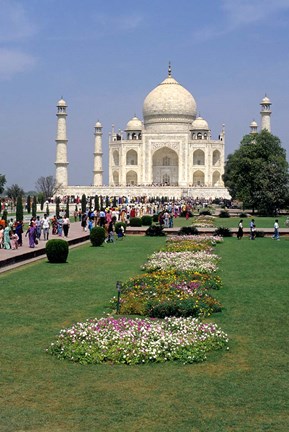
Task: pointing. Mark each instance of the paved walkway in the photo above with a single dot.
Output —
(14, 258)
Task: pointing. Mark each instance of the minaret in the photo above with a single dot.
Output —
(265, 114)
(97, 166)
(61, 145)
(254, 128)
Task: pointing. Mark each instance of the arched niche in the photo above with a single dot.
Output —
(199, 157)
(165, 169)
(131, 178)
(198, 178)
(216, 158)
(131, 157)
(115, 157)
(216, 178)
(115, 176)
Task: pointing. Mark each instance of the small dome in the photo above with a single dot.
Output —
(134, 124)
(98, 124)
(61, 102)
(265, 100)
(200, 124)
(168, 102)
(253, 124)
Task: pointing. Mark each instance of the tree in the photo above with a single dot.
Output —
(2, 183)
(96, 203)
(34, 206)
(19, 209)
(57, 207)
(46, 185)
(14, 192)
(83, 203)
(257, 173)
(28, 204)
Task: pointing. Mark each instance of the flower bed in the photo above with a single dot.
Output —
(200, 261)
(138, 341)
(144, 294)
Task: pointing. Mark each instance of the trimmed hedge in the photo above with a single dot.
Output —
(135, 222)
(155, 231)
(223, 231)
(57, 250)
(97, 236)
(224, 214)
(190, 230)
(146, 220)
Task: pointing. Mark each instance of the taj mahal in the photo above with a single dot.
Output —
(170, 152)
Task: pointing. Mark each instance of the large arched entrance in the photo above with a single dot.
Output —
(165, 167)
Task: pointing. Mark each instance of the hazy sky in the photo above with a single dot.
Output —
(104, 57)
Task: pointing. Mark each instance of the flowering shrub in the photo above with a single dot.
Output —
(204, 222)
(179, 291)
(198, 261)
(138, 341)
(192, 243)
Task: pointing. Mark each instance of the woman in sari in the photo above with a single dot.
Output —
(6, 238)
(31, 232)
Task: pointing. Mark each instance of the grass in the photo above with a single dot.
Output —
(245, 389)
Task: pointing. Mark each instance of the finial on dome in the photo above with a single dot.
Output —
(170, 70)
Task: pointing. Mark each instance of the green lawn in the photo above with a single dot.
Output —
(245, 389)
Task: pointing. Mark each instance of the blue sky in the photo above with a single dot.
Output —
(104, 57)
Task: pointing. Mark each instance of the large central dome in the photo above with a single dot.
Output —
(169, 102)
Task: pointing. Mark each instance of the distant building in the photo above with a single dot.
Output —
(170, 153)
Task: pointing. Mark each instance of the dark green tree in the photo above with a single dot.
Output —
(47, 210)
(83, 203)
(96, 203)
(101, 201)
(41, 200)
(19, 209)
(257, 173)
(114, 203)
(34, 206)
(107, 201)
(67, 207)
(28, 204)
(2, 183)
(57, 206)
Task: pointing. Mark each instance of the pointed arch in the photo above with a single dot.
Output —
(199, 157)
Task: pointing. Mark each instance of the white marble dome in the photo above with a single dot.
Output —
(265, 100)
(200, 124)
(134, 124)
(169, 102)
(62, 103)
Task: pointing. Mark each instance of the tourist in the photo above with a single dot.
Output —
(38, 227)
(14, 240)
(45, 226)
(276, 230)
(6, 238)
(19, 231)
(31, 232)
(59, 225)
(252, 230)
(240, 230)
(66, 225)
(84, 221)
(54, 225)
(1, 236)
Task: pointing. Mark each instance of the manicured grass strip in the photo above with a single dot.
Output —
(243, 390)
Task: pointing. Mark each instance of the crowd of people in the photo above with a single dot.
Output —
(11, 236)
